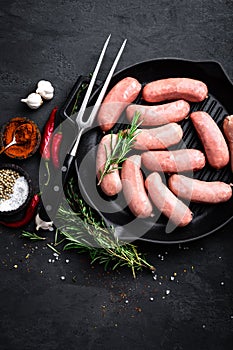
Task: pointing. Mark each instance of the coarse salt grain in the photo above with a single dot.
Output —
(172, 278)
(151, 299)
(167, 291)
(63, 278)
(18, 197)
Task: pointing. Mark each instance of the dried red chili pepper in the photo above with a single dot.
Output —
(30, 212)
(47, 139)
(55, 149)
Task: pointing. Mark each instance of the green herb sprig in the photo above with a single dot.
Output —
(78, 95)
(86, 232)
(33, 236)
(123, 146)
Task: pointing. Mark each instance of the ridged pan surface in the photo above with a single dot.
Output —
(207, 218)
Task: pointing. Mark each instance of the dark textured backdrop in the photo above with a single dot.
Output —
(93, 309)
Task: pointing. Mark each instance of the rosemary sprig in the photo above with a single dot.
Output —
(52, 248)
(85, 232)
(123, 146)
(33, 236)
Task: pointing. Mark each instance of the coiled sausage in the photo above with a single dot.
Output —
(160, 114)
(167, 202)
(118, 98)
(133, 187)
(228, 131)
(158, 138)
(175, 88)
(199, 191)
(174, 161)
(111, 183)
(214, 144)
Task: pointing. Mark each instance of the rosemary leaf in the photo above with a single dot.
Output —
(123, 146)
(33, 236)
(84, 231)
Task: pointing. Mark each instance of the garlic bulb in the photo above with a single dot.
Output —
(44, 225)
(45, 89)
(33, 100)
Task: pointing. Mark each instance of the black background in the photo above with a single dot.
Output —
(57, 41)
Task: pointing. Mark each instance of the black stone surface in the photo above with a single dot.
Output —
(91, 308)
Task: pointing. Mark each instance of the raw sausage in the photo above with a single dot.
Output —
(228, 131)
(199, 191)
(160, 114)
(133, 187)
(111, 183)
(175, 88)
(167, 202)
(158, 138)
(214, 144)
(119, 97)
(174, 161)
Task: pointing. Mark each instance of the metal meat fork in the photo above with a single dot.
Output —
(84, 125)
(51, 197)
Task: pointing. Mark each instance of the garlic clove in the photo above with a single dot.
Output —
(45, 89)
(44, 225)
(33, 100)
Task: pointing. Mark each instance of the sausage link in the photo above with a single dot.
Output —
(133, 187)
(228, 131)
(167, 202)
(111, 183)
(160, 114)
(173, 161)
(214, 144)
(175, 88)
(199, 191)
(118, 98)
(158, 138)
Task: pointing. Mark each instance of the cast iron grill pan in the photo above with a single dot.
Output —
(207, 218)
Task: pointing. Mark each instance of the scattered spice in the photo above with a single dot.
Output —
(28, 138)
(138, 309)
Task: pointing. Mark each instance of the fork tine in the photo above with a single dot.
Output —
(92, 82)
(105, 86)
(82, 125)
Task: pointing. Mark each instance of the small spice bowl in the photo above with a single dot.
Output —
(16, 186)
(29, 138)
